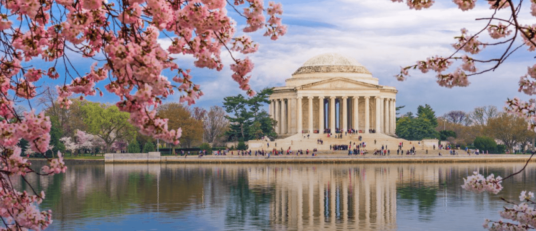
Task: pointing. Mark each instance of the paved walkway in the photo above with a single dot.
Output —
(340, 158)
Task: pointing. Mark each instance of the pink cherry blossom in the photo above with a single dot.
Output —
(417, 4)
(126, 40)
(477, 183)
(468, 43)
(465, 5)
(499, 31)
(468, 64)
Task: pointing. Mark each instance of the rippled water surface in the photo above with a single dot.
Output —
(275, 197)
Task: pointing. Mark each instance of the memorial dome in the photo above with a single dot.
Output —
(331, 63)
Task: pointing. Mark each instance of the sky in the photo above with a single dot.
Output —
(379, 34)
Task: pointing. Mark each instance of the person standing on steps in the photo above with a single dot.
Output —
(374, 141)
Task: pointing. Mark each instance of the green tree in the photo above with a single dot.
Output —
(55, 135)
(108, 123)
(427, 112)
(255, 130)
(261, 98)
(415, 129)
(444, 134)
(485, 143)
(244, 113)
(501, 148)
(133, 147)
(240, 119)
(267, 124)
(206, 147)
(241, 145)
(421, 127)
(149, 147)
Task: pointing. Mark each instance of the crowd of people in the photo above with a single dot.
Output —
(352, 148)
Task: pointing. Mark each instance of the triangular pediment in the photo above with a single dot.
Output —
(340, 83)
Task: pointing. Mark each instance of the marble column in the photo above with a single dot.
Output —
(344, 113)
(300, 117)
(393, 120)
(367, 114)
(378, 114)
(272, 109)
(321, 115)
(355, 113)
(332, 114)
(289, 117)
(386, 121)
(389, 116)
(283, 116)
(277, 118)
(310, 114)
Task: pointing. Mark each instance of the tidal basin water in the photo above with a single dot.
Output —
(275, 196)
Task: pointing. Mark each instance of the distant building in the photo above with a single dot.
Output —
(336, 93)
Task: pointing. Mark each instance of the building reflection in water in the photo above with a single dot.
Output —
(261, 197)
(312, 197)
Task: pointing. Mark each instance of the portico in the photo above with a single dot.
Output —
(331, 94)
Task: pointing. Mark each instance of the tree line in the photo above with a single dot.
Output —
(480, 128)
(99, 127)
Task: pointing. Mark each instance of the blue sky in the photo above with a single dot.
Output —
(379, 34)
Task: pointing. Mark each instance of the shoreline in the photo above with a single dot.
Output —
(308, 159)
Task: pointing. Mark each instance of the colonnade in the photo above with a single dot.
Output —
(317, 114)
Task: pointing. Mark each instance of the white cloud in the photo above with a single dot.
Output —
(382, 36)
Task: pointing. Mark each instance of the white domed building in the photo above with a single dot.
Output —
(333, 93)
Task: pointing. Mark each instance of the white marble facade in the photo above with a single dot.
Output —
(329, 86)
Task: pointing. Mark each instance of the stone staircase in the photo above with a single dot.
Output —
(373, 141)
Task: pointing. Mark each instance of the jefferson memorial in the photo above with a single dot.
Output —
(333, 93)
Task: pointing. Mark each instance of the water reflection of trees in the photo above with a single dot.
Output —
(424, 196)
(267, 196)
(246, 204)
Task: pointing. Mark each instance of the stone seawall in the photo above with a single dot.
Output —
(133, 157)
(154, 157)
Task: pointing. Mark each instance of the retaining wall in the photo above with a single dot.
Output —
(154, 157)
(132, 157)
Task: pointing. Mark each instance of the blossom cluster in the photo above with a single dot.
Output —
(468, 43)
(523, 109)
(457, 78)
(22, 208)
(417, 4)
(478, 183)
(524, 214)
(124, 38)
(465, 5)
(499, 31)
